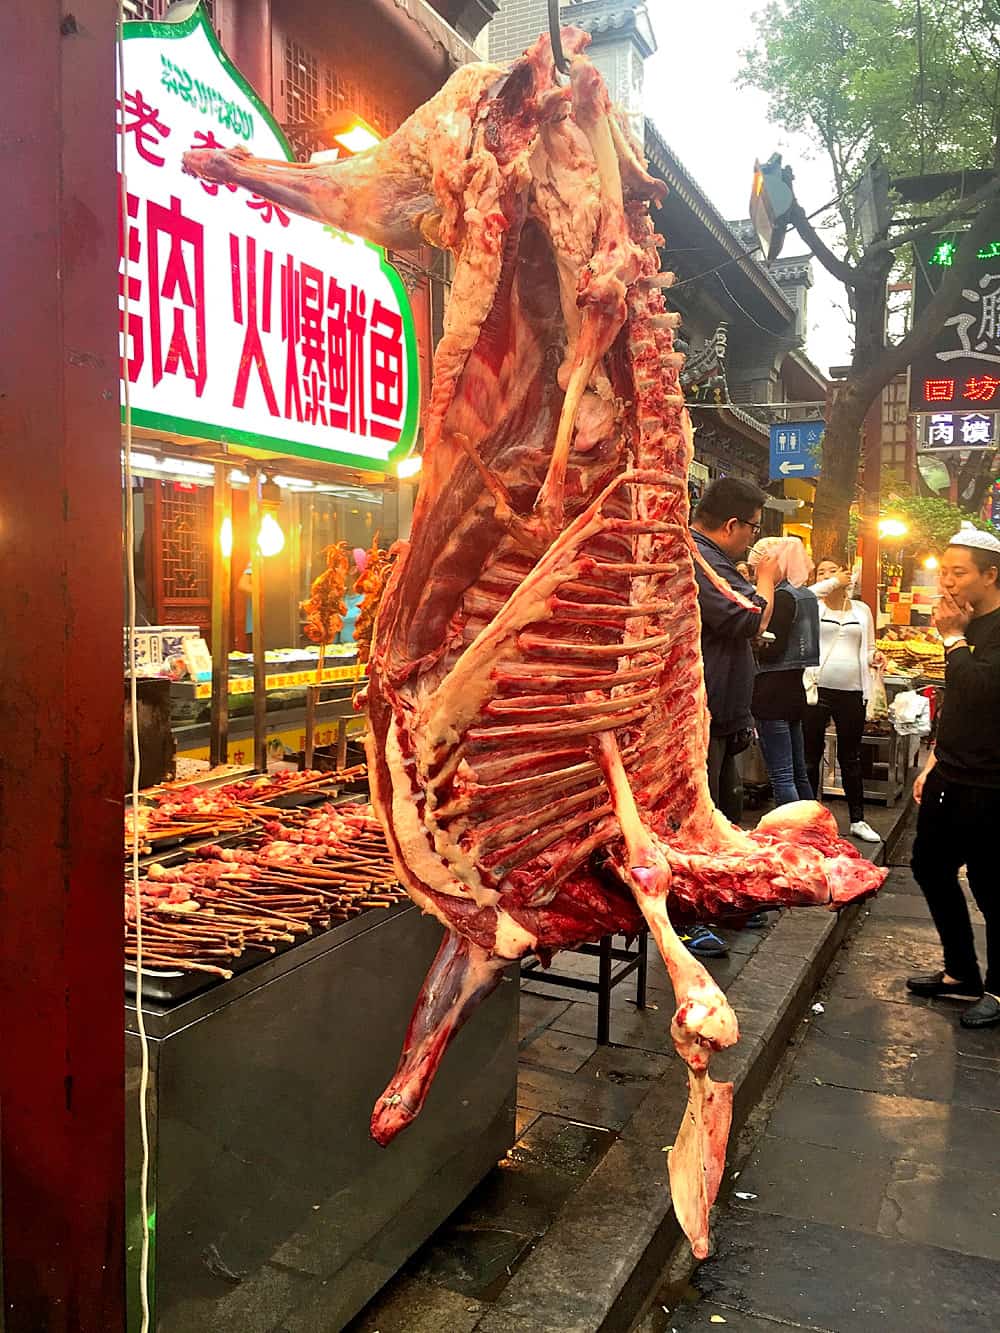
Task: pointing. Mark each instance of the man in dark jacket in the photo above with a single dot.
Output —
(725, 524)
(959, 789)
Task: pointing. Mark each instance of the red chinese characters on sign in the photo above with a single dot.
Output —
(982, 388)
(255, 314)
(333, 350)
(176, 254)
(267, 210)
(385, 356)
(142, 121)
(939, 391)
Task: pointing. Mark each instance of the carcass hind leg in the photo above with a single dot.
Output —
(703, 1021)
(461, 976)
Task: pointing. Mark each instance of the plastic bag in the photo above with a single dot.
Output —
(911, 714)
(810, 681)
(878, 704)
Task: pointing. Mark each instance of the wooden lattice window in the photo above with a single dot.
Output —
(301, 84)
(155, 9)
(145, 9)
(187, 558)
(344, 94)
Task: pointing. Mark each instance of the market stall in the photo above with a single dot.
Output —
(280, 962)
(274, 394)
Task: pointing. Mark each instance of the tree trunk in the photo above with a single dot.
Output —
(975, 480)
(837, 486)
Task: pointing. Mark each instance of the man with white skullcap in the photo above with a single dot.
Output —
(959, 788)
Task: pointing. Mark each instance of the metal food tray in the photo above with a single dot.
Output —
(168, 987)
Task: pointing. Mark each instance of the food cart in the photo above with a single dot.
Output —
(274, 389)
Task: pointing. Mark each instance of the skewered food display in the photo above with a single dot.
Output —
(178, 812)
(371, 584)
(300, 873)
(325, 607)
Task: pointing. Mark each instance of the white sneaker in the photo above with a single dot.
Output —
(863, 830)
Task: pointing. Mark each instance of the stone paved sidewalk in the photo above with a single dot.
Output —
(874, 1195)
(578, 1103)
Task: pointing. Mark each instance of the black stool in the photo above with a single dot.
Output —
(632, 960)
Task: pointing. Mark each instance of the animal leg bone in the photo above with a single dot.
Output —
(703, 1021)
(460, 978)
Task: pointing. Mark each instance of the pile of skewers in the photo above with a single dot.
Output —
(175, 813)
(298, 874)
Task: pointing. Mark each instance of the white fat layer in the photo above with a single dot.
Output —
(512, 940)
(436, 867)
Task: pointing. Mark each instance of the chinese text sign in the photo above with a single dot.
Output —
(246, 323)
(962, 369)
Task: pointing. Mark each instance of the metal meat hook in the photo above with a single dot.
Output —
(561, 63)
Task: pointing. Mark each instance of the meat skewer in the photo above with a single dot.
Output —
(222, 901)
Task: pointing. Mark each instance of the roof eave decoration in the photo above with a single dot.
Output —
(662, 158)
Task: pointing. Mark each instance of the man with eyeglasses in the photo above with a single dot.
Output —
(725, 524)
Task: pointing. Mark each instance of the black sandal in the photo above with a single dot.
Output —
(934, 985)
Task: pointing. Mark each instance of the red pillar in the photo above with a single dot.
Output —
(248, 40)
(61, 1039)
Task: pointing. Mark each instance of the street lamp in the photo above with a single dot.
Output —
(892, 527)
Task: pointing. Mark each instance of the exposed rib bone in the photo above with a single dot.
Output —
(534, 643)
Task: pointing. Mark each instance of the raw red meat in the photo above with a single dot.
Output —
(538, 726)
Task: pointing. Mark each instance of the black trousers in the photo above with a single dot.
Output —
(957, 825)
(847, 708)
(724, 781)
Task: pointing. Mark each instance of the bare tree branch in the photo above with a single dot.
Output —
(963, 209)
(842, 272)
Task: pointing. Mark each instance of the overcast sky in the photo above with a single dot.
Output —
(717, 130)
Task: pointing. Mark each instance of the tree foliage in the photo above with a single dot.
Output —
(932, 521)
(849, 75)
(916, 83)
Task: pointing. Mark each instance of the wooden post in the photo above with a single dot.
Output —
(259, 650)
(61, 665)
(222, 627)
(312, 700)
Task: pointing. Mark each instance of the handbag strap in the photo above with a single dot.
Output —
(840, 626)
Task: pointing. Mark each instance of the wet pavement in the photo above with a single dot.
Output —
(543, 1241)
(872, 1199)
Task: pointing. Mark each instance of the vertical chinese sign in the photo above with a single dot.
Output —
(962, 369)
(247, 324)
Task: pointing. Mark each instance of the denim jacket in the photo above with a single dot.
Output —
(801, 645)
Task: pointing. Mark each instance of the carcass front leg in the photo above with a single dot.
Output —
(703, 1021)
(460, 978)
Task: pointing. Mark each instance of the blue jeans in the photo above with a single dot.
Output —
(784, 754)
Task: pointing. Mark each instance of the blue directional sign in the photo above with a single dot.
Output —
(794, 449)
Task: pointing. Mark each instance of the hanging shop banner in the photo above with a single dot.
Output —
(246, 323)
(961, 371)
(947, 432)
(795, 449)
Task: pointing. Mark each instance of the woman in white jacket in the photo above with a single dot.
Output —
(846, 655)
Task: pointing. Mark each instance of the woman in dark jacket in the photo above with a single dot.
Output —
(779, 697)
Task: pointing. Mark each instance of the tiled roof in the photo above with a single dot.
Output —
(665, 162)
(607, 17)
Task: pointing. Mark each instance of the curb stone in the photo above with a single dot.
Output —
(594, 1269)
